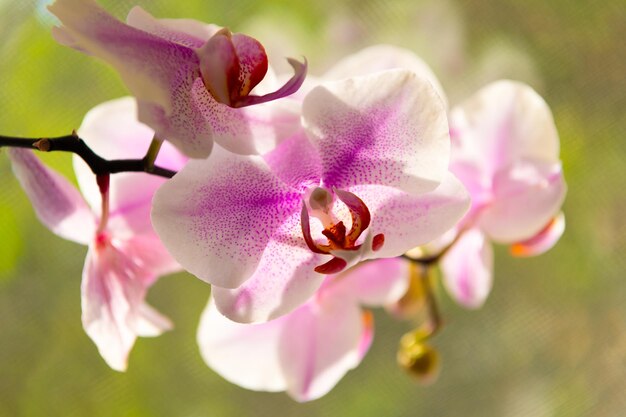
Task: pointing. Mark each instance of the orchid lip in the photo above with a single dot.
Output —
(338, 237)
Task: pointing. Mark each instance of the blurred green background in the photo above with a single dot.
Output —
(551, 340)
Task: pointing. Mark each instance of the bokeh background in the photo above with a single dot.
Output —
(550, 341)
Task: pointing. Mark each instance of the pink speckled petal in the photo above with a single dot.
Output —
(112, 131)
(501, 123)
(249, 130)
(388, 129)
(58, 203)
(380, 58)
(283, 280)
(408, 220)
(158, 71)
(296, 162)
(374, 283)
(320, 343)
(543, 241)
(217, 216)
(467, 269)
(187, 32)
(526, 196)
(244, 354)
(116, 277)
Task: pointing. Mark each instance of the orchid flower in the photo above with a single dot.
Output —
(505, 150)
(366, 177)
(191, 80)
(307, 351)
(125, 256)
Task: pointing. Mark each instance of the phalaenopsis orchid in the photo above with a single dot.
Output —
(319, 197)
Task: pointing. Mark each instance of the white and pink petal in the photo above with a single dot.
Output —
(501, 123)
(284, 278)
(158, 71)
(217, 216)
(388, 128)
(373, 283)
(408, 220)
(526, 195)
(112, 131)
(116, 277)
(245, 354)
(380, 58)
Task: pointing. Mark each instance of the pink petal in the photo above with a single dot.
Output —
(501, 123)
(380, 58)
(58, 204)
(374, 283)
(159, 72)
(187, 32)
(319, 345)
(244, 354)
(467, 269)
(526, 196)
(408, 220)
(543, 241)
(217, 216)
(305, 352)
(284, 278)
(113, 132)
(387, 129)
(116, 277)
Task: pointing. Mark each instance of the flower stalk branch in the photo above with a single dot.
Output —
(98, 165)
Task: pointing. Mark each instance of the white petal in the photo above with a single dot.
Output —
(500, 124)
(244, 354)
(525, 197)
(383, 57)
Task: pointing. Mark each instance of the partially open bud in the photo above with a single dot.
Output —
(419, 359)
(232, 64)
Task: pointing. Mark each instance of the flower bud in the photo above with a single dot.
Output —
(419, 359)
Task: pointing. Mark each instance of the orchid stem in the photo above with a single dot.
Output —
(98, 165)
(434, 322)
(151, 155)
